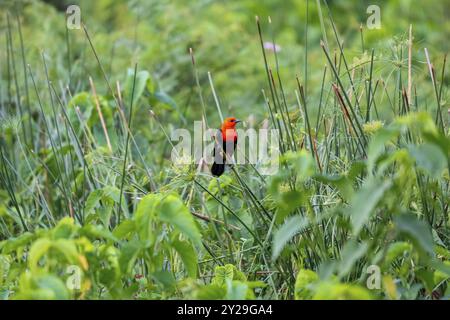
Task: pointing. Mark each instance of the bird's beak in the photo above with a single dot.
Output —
(237, 121)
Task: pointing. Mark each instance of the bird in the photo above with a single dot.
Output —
(226, 140)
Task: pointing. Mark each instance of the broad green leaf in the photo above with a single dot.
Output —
(108, 195)
(287, 231)
(438, 265)
(222, 273)
(188, 255)
(211, 292)
(37, 251)
(256, 284)
(236, 290)
(441, 276)
(440, 141)
(64, 229)
(165, 278)
(49, 286)
(417, 121)
(84, 103)
(173, 211)
(124, 229)
(238, 275)
(395, 250)
(303, 284)
(417, 231)
(110, 273)
(377, 145)
(128, 255)
(142, 79)
(93, 200)
(97, 232)
(68, 249)
(429, 158)
(13, 244)
(342, 183)
(350, 254)
(427, 278)
(288, 201)
(145, 215)
(164, 98)
(365, 201)
(444, 252)
(302, 162)
(341, 291)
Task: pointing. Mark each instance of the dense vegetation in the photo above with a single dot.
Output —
(92, 207)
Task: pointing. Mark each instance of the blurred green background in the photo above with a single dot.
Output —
(158, 34)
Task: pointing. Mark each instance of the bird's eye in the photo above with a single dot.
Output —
(232, 120)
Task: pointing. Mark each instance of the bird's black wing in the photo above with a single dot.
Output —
(220, 152)
(218, 166)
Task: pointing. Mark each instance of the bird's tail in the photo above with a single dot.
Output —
(217, 169)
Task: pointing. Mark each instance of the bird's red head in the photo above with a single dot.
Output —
(230, 123)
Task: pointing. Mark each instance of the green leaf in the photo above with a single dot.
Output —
(377, 145)
(174, 212)
(124, 229)
(39, 248)
(395, 250)
(83, 103)
(440, 141)
(223, 273)
(52, 286)
(188, 255)
(438, 265)
(68, 249)
(256, 284)
(303, 284)
(13, 244)
(128, 255)
(352, 252)
(165, 278)
(164, 98)
(37, 251)
(108, 195)
(341, 291)
(342, 183)
(442, 251)
(429, 158)
(145, 214)
(302, 162)
(64, 229)
(142, 81)
(211, 292)
(427, 278)
(417, 231)
(365, 201)
(93, 200)
(288, 201)
(289, 229)
(236, 290)
(442, 275)
(93, 231)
